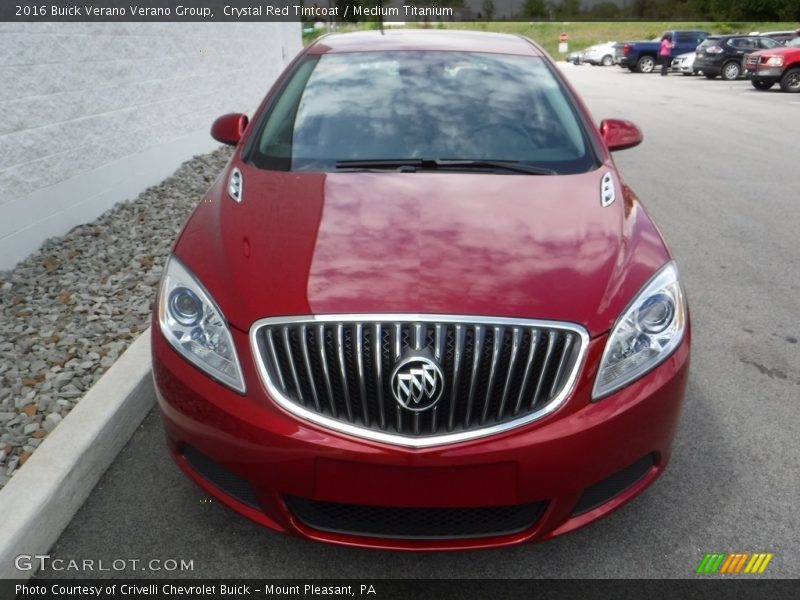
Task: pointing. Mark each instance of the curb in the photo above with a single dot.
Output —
(40, 500)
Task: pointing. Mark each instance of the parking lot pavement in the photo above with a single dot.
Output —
(719, 171)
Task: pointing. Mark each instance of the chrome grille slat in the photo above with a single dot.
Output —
(498, 373)
(528, 371)
(438, 349)
(396, 337)
(516, 337)
(348, 406)
(303, 334)
(287, 348)
(497, 345)
(326, 373)
(376, 346)
(561, 366)
(551, 342)
(458, 353)
(477, 351)
(362, 382)
(274, 357)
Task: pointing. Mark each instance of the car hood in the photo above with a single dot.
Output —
(437, 243)
(776, 51)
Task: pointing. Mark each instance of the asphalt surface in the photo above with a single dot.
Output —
(719, 171)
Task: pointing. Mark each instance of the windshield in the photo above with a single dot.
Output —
(436, 106)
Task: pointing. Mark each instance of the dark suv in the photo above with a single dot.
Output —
(723, 54)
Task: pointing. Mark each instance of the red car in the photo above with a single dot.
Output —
(779, 65)
(419, 309)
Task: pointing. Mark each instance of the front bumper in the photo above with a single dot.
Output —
(682, 67)
(247, 443)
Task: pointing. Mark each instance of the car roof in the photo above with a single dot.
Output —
(422, 39)
(736, 35)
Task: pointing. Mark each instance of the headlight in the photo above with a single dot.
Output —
(194, 326)
(775, 61)
(646, 333)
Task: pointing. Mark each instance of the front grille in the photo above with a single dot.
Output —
(415, 523)
(496, 373)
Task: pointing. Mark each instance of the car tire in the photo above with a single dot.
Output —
(709, 76)
(645, 64)
(731, 70)
(607, 61)
(760, 84)
(790, 82)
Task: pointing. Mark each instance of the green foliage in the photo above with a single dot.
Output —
(488, 9)
(568, 9)
(604, 11)
(535, 9)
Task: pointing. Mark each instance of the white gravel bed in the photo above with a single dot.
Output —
(68, 311)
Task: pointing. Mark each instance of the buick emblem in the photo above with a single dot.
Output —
(417, 383)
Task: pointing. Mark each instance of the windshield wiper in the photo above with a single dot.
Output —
(413, 165)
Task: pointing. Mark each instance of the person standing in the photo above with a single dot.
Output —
(664, 53)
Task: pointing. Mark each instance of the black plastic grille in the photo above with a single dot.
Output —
(415, 523)
(493, 373)
(603, 491)
(226, 480)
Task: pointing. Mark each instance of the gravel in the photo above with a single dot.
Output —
(71, 309)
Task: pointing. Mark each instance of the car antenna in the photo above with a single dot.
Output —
(380, 15)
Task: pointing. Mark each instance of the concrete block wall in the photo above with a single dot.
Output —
(93, 113)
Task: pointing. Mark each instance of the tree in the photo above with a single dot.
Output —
(568, 9)
(488, 9)
(535, 9)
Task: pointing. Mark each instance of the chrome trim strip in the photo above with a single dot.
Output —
(398, 440)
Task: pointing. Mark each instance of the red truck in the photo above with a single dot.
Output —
(780, 65)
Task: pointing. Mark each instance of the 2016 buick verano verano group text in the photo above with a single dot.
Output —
(419, 308)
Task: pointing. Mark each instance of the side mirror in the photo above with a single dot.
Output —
(229, 128)
(619, 134)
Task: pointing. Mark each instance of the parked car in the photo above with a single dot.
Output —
(439, 325)
(642, 57)
(722, 55)
(574, 57)
(783, 36)
(781, 65)
(684, 64)
(599, 54)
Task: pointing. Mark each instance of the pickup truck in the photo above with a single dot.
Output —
(642, 56)
(780, 65)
